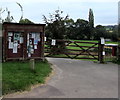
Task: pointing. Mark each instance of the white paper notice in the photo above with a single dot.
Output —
(45, 39)
(35, 46)
(53, 42)
(21, 39)
(38, 39)
(10, 45)
(32, 51)
(35, 41)
(29, 55)
(103, 53)
(15, 47)
(102, 41)
(10, 34)
(9, 39)
(33, 35)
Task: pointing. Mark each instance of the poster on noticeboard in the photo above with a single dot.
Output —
(15, 47)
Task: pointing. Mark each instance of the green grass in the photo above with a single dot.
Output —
(86, 41)
(107, 42)
(0, 79)
(0, 71)
(87, 44)
(116, 61)
(110, 42)
(17, 76)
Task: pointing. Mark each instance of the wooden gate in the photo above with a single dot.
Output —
(73, 49)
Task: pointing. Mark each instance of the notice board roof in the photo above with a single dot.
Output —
(23, 24)
(23, 27)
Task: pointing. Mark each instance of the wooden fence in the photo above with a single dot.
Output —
(74, 49)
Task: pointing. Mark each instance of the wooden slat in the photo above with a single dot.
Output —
(70, 53)
(86, 58)
(72, 50)
(82, 46)
(47, 48)
(85, 42)
(75, 41)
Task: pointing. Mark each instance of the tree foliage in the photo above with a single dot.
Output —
(55, 25)
(91, 23)
(82, 29)
(10, 18)
(91, 18)
(70, 28)
(55, 28)
(1, 11)
(21, 10)
(59, 27)
(99, 32)
(26, 21)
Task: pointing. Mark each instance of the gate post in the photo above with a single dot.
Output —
(101, 49)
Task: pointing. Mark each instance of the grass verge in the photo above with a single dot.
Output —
(17, 76)
(0, 79)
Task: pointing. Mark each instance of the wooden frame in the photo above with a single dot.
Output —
(25, 29)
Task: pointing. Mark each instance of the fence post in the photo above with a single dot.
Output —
(32, 64)
(101, 49)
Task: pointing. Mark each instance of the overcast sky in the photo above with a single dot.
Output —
(105, 11)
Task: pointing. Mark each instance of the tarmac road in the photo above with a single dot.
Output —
(77, 79)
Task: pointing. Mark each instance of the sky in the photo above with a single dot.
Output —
(105, 11)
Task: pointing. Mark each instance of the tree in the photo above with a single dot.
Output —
(26, 21)
(70, 29)
(9, 18)
(55, 29)
(100, 31)
(119, 31)
(55, 25)
(1, 11)
(91, 18)
(82, 29)
(21, 10)
(91, 23)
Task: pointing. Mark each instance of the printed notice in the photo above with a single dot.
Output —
(45, 39)
(32, 51)
(103, 53)
(35, 46)
(35, 41)
(10, 34)
(9, 39)
(15, 47)
(29, 55)
(21, 39)
(10, 45)
(53, 42)
(102, 40)
(33, 35)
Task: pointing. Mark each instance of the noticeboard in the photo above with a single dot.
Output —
(23, 41)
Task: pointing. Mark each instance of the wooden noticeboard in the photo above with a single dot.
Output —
(23, 41)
